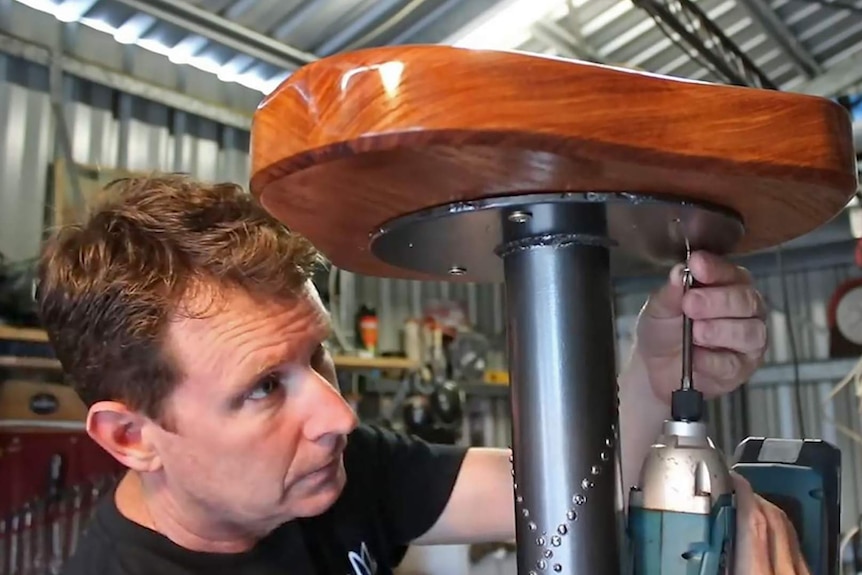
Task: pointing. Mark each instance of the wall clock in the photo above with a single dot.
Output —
(845, 320)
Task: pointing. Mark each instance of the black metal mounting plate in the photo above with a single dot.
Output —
(461, 239)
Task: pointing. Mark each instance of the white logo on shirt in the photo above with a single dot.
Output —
(363, 563)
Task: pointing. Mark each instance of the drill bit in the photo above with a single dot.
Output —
(687, 324)
(687, 402)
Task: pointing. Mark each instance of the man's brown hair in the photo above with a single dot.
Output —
(108, 286)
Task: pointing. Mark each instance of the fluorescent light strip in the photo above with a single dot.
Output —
(67, 12)
(504, 27)
(508, 25)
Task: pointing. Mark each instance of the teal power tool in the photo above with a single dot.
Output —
(682, 514)
(803, 478)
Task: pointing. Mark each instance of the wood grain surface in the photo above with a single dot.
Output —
(354, 140)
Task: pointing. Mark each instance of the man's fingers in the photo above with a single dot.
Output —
(799, 564)
(739, 335)
(781, 550)
(795, 548)
(726, 292)
(767, 544)
(710, 269)
(720, 371)
(667, 301)
(752, 541)
(737, 301)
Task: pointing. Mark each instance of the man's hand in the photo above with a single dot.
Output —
(729, 331)
(766, 543)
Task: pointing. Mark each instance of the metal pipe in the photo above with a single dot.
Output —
(781, 33)
(221, 30)
(563, 388)
(707, 39)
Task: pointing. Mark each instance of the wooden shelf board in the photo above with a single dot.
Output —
(33, 335)
(356, 362)
(343, 362)
(22, 362)
(27, 334)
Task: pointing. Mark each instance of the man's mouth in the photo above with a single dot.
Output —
(330, 464)
(325, 473)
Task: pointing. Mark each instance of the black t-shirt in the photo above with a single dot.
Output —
(397, 487)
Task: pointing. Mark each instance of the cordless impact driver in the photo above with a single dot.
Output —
(682, 514)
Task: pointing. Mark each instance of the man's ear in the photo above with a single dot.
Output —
(120, 432)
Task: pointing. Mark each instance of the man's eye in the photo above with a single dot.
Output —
(267, 386)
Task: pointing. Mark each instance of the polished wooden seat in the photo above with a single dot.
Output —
(351, 141)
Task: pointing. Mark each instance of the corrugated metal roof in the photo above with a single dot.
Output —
(790, 40)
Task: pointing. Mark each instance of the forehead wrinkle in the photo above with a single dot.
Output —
(293, 333)
(209, 345)
(239, 330)
(316, 330)
(271, 360)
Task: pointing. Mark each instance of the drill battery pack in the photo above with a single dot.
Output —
(802, 478)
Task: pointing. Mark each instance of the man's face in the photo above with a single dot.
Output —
(257, 423)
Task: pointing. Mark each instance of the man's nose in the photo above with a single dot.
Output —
(329, 413)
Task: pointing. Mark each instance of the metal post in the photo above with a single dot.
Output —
(563, 388)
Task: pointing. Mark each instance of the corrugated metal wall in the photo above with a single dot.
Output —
(26, 148)
(117, 130)
(107, 129)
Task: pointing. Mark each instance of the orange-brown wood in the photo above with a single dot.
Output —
(354, 140)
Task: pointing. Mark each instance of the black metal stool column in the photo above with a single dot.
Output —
(563, 386)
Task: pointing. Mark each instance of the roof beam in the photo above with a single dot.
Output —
(353, 30)
(576, 27)
(836, 80)
(223, 31)
(783, 36)
(561, 39)
(39, 54)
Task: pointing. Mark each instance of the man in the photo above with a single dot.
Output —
(184, 316)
